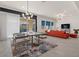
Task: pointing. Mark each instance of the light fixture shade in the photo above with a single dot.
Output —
(28, 13)
(23, 15)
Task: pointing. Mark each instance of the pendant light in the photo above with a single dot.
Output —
(27, 14)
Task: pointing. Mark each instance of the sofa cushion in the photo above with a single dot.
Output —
(73, 35)
(57, 33)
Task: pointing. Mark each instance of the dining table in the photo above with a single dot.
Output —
(32, 35)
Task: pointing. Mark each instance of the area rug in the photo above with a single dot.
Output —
(38, 49)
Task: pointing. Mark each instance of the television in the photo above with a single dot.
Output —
(65, 26)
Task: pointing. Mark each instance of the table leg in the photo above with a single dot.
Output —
(38, 39)
(32, 41)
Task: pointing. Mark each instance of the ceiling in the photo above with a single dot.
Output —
(47, 8)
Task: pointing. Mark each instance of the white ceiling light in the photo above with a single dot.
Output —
(23, 15)
(61, 15)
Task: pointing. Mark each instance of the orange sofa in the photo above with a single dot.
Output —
(57, 33)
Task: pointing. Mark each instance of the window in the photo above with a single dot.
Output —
(47, 23)
(42, 24)
(51, 23)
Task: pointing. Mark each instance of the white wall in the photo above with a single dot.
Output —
(13, 24)
(40, 18)
(2, 26)
(74, 23)
(71, 16)
(9, 24)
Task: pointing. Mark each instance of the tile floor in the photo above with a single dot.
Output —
(5, 48)
(65, 48)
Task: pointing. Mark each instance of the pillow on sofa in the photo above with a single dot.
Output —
(48, 30)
